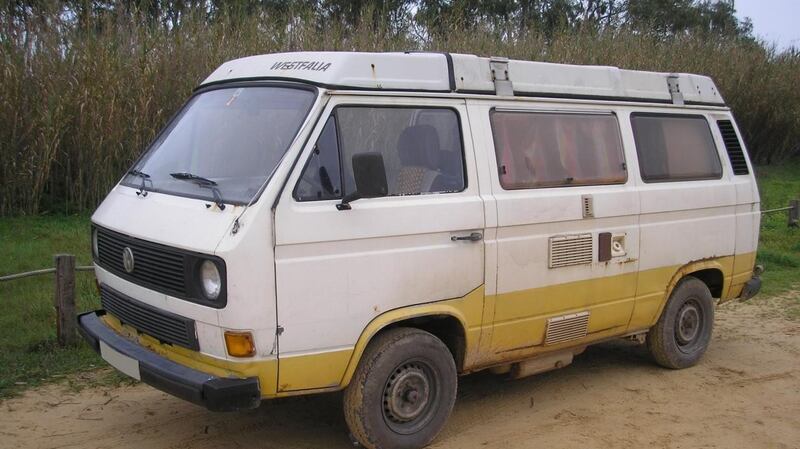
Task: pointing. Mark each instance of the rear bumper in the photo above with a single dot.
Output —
(751, 288)
(214, 393)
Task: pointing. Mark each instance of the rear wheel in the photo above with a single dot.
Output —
(402, 391)
(683, 332)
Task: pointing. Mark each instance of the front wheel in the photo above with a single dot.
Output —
(402, 391)
(682, 334)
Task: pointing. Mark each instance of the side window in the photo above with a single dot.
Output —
(537, 149)
(675, 147)
(321, 179)
(421, 147)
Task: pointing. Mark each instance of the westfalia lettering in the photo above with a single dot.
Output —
(317, 66)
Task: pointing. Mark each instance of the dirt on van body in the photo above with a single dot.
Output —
(745, 393)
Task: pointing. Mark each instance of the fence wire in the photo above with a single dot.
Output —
(26, 274)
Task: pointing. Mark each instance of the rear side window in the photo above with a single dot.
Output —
(675, 147)
(421, 147)
(537, 149)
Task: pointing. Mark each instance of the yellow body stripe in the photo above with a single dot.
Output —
(313, 371)
(493, 335)
(742, 272)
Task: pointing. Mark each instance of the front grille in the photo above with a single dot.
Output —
(156, 266)
(164, 326)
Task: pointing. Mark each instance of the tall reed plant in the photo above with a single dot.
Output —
(79, 102)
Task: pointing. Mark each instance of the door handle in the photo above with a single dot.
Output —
(473, 237)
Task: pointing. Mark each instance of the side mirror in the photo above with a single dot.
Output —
(370, 176)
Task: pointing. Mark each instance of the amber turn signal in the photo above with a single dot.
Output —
(240, 344)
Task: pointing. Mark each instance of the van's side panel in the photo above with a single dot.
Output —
(682, 222)
(338, 270)
(528, 291)
(667, 225)
(748, 216)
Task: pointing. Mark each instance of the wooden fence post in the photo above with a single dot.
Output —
(794, 213)
(65, 300)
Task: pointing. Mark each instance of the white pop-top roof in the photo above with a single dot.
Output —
(442, 72)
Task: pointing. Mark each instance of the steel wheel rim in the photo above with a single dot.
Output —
(409, 397)
(689, 323)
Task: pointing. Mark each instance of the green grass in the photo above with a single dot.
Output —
(29, 354)
(779, 246)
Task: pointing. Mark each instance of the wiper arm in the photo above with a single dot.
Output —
(202, 182)
(193, 177)
(145, 177)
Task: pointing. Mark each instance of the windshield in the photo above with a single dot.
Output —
(232, 137)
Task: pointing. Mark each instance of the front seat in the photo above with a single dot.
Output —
(418, 148)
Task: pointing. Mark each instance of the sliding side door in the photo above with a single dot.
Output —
(567, 226)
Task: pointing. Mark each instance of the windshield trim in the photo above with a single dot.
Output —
(225, 85)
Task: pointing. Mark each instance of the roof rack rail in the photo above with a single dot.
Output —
(414, 71)
(675, 89)
(502, 82)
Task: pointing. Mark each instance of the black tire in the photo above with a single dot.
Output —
(402, 391)
(682, 334)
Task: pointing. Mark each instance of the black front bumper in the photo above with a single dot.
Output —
(214, 393)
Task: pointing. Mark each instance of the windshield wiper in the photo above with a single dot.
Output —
(202, 182)
(145, 177)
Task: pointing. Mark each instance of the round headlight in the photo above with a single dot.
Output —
(95, 252)
(210, 279)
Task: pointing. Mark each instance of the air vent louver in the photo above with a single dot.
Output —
(734, 148)
(567, 250)
(566, 328)
(588, 206)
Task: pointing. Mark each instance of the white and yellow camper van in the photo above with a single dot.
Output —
(381, 223)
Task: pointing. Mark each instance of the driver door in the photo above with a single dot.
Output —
(337, 270)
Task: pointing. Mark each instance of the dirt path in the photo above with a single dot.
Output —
(744, 394)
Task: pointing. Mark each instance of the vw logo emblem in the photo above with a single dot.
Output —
(127, 259)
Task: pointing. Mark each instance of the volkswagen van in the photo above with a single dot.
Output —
(383, 223)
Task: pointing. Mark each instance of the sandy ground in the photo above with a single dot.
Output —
(745, 393)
